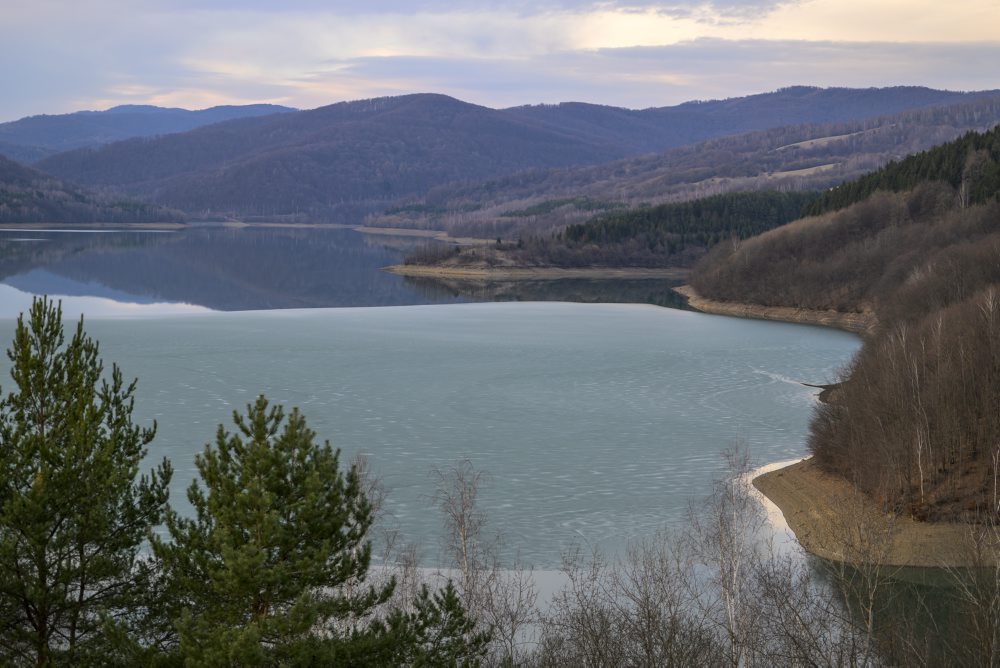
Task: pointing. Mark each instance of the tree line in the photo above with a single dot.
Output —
(914, 423)
(667, 235)
(970, 164)
(28, 196)
(670, 228)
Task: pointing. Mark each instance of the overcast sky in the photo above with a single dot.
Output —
(64, 55)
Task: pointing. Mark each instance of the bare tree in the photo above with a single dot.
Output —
(503, 599)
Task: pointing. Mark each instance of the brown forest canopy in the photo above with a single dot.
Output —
(916, 423)
(369, 154)
(791, 157)
(28, 196)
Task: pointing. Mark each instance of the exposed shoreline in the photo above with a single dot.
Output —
(826, 514)
(859, 323)
(833, 520)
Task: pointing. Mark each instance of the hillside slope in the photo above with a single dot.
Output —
(316, 161)
(915, 424)
(29, 196)
(35, 137)
(368, 154)
(790, 157)
(660, 128)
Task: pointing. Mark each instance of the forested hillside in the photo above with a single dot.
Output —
(35, 137)
(321, 161)
(916, 423)
(703, 221)
(796, 157)
(971, 166)
(28, 196)
(332, 162)
(661, 128)
(668, 235)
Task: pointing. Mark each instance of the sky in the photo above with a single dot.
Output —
(59, 56)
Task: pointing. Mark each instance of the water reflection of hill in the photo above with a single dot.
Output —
(614, 291)
(221, 268)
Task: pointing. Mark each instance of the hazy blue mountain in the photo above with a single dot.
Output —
(32, 138)
(316, 162)
(339, 160)
(660, 128)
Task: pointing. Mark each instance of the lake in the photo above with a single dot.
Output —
(596, 423)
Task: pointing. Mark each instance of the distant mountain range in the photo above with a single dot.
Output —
(792, 157)
(30, 139)
(337, 161)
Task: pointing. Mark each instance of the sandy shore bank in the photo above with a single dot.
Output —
(533, 273)
(831, 519)
(860, 323)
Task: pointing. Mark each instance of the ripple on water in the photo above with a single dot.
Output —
(596, 423)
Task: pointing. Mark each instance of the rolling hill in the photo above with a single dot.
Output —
(336, 161)
(915, 423)
(795, 157)
(29, 196)
(30, 139)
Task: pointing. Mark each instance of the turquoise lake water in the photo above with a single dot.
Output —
(596, 423)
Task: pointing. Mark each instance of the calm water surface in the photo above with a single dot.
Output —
(597, 423)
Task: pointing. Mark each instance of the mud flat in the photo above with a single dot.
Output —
(860, 323)
(833, 520)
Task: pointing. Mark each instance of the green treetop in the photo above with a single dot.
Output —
(73, 514)
(271, 571)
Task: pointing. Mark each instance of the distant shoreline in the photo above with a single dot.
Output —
(507, 273)
(95, 226)
(859, 323)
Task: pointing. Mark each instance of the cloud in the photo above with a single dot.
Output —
(658, 76)
(744, 8)
(60, 56)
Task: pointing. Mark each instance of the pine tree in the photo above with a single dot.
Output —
(73, 515)
(272, 568)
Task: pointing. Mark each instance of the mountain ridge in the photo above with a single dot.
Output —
(33, 138)
(335, 161)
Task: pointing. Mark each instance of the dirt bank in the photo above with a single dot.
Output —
(831, 519)
(860, 323)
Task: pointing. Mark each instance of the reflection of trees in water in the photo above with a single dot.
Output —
(224, 268)
(582, 290)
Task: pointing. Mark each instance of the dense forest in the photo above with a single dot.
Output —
(793, 157)
(335, 161)
(28, 196)
(702, 222)
(915, 423)
(668, 235)
(971, 165)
